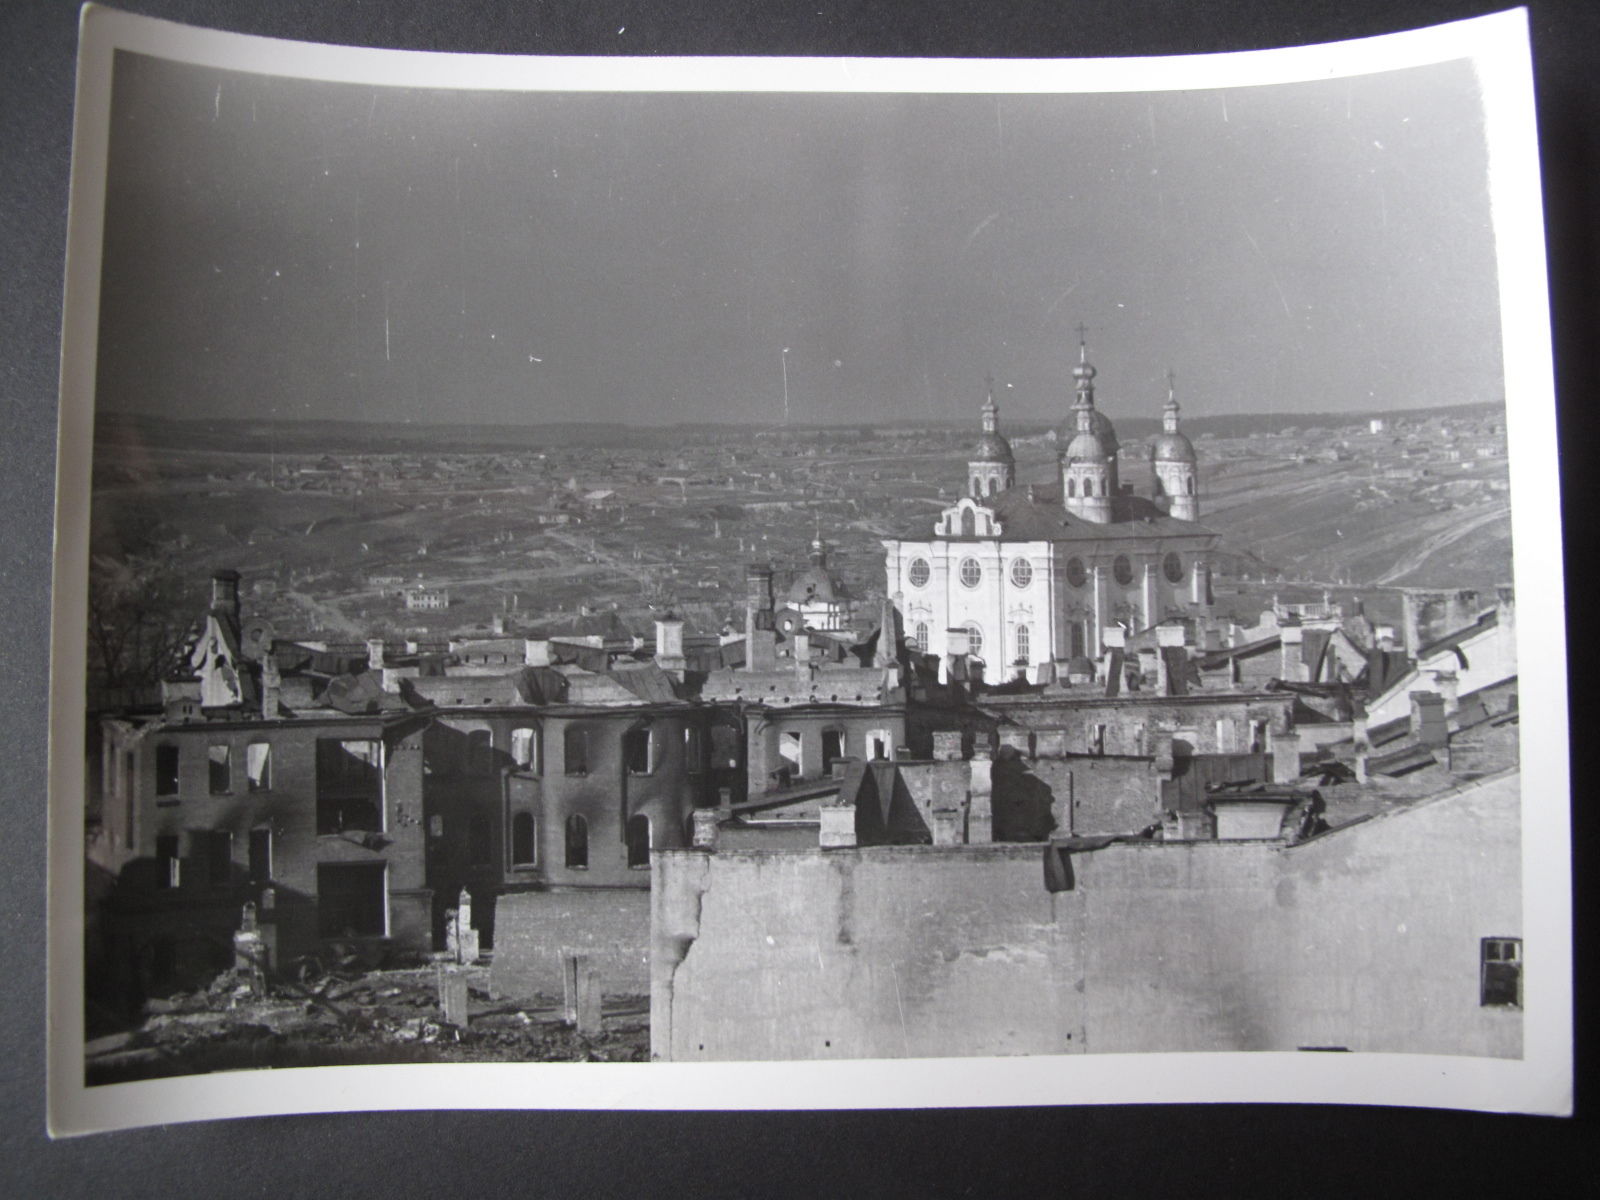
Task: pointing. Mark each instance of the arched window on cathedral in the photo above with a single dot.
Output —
(1072, 489)
(1023, 640)
(977, 486)
(920, 637)
(969, 523)
(994, 485)
(1191, 485)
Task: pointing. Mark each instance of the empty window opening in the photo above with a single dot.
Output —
(577, 842)
(258, 766)
(636, 746)
(169, 871)
(789, 751)
(969, 523)
(166, 770)
(639, 841)
(524, 846)
(215, 849)
(832, 749)
(693, 750)
(1097, 739)
(351, 900)
(221, 761)
(1500, 976)
(349, 786)
(575, 752)
(261, 855)
(878, 745)
(726, 747)
(525, 749)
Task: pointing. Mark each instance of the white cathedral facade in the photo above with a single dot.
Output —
(1029, 580)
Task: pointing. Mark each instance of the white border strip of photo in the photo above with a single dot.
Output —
(1540, 1082)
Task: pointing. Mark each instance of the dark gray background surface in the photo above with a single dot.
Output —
(1105, 1151)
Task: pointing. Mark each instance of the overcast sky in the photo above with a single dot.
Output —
(279, 247)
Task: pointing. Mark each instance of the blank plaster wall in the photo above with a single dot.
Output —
(534, 929)
(1366, 938)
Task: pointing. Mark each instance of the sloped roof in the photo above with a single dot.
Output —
(1045, 519)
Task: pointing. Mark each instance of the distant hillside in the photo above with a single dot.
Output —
(374, 437)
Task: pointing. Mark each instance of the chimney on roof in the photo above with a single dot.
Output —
(669, 643)
(225, 593)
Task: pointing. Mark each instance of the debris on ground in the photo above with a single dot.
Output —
(381, 1016)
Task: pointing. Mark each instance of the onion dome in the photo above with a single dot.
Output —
(992, 445)
(815, 583)
(1172, 447)
(1169, 445)
(1090, 447)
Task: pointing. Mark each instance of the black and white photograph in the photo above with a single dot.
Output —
(744, 562)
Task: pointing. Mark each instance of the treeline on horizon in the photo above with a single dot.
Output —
(291, 436)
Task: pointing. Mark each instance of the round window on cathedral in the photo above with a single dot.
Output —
(1077, 574)
(1122, 570)
(918, 572)
(1172, 568)
(1021, 572)
(971, 572)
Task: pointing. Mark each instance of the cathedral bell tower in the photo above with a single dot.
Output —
(992, 468)
(1173, 461)
(1089, 464)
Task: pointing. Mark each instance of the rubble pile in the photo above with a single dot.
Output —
(383, 1016)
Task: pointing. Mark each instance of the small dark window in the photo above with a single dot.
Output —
(1500, 980)
(1172, 568)
(523, 846)
(350, 900)
(1122, 569)
(636, 751)
(168, 868)
(260, 855)
(1072, 489)
(1191, 485)
(1077, 573)
(969, 523)
(577, 843)
(166, 770)
(693, 752)
(575, 746)
(639, 841)
(221, 760)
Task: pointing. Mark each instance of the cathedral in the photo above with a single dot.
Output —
(1028, 580)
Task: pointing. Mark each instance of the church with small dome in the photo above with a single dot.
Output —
(1036, 580)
